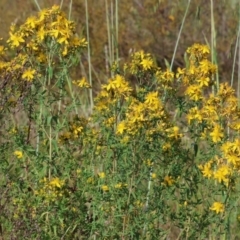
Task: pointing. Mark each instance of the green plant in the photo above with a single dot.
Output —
(157, 158)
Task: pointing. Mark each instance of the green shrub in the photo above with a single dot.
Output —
(155, 159)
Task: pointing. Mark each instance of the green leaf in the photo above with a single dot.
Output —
(50, 72)
(167, 63)
(49, 120)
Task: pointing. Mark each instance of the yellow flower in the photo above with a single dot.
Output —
(203, 81)
(120, 128)
(43, 14)
(198, 50)
(152, 101)
(41, 58)
(217, 207)
(101, 175)
(194, 92)
(32, 46)
(55, 9)
(174, 132)
(105, 188)
(153, 175)
(222, 174)
(194, 114)
(82, 83)
(120, 185)
(166, 146)
(216, 134)
(148, 162)
(168, 181)
(56, 182)
(13, 130)
(63, 39)
(18, 154)
(206, 67)
(125, 139)
(236, 145)
(77, 42)
(233, 158)
(204, 49)
(28, 74)
(2, 50)
(206, 169)
(147, 63)
(118, 85)
(180, 72)
(55, 32)
(226, 147)
(15, 40)
(31, 22)
(138, 204)
(168, 75)
(41, 34)
(90, 180)
(65, 51)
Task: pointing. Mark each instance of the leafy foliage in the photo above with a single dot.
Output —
(155, 159)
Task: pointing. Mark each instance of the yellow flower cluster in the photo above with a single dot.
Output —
(211, 113)
(225, 166)
(50, 26)
(116, 91)
(164, 79)
(208, 114)
(221, 173)
(76, 127)
(144, 115)
(117, 87)
(216, 111)
(142, 110)
(21, 206)
(50, 189)
(198, 76)
(141, 62)
(50, 31)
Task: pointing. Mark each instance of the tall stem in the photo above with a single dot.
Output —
(89, 56)
(179, 34)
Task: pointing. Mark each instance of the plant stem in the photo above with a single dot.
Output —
(38, 6)
(70, 10)
(89, 57)
(213, 44)
(179, 34)
(116, 30)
